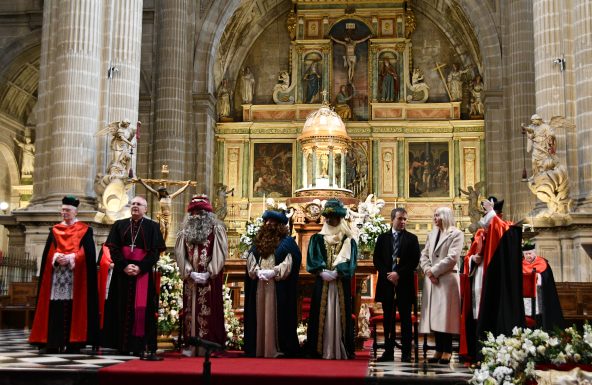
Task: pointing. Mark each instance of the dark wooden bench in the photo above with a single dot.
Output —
(21, 298)
(576, 301)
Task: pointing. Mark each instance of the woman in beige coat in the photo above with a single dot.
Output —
(440, 300)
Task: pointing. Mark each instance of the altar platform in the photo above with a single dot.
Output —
(21, 364)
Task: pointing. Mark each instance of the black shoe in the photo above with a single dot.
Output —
(151, 357)
(445, 360)
(406, 358)
(386, 357)
(435, 359)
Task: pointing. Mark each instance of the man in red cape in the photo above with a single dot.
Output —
(491, 283)
(66, 317)
(548, 312)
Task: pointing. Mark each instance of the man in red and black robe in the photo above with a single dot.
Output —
(497, 252)
(131, 310)
(548, 312)
(66, 317)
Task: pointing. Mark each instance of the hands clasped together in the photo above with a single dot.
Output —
(329, 275)
(200, 278)
(266, 275)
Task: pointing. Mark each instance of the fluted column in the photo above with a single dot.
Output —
(75, 102)
(172, 135)
(519, 91)
(331, 168)
(43, 129)
(555, 90)
(304, 169)
(582, 27)
(343, 181)
(123, 43)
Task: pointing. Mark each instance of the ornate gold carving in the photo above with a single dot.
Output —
(410, 23)
(388, 130)
(291, 24)
(400, 47)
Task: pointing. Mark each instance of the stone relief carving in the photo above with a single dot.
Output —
(549, 180)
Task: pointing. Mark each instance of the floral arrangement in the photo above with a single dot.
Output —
(232, 325)
(171, 295)
(511, 360)
(247, 238)
(370, 230)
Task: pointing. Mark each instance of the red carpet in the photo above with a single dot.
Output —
(244, 371)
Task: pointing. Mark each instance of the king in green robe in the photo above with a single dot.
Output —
(332, 256)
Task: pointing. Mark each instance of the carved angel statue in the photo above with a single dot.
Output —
(549, 180)
(472, 194)
(122, 135)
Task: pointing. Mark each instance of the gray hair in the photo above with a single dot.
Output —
(197, 228)
(447, 217)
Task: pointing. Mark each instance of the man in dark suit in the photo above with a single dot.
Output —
(396, 256)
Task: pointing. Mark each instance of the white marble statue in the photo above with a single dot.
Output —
(247, 86)
(28, 158)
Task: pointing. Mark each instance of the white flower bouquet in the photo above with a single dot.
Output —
(512, 360)
(171, 295)
(370, 230)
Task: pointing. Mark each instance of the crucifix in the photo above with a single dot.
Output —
(439, 69)
(164, 198)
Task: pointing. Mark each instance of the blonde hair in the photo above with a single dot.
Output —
(447, 217)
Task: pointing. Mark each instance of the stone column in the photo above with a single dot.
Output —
(555, 90)
(74, 100)
(172, 136)
(582, 28)
(519, 90)
(123, 43)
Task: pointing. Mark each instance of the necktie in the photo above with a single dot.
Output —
(396, 246)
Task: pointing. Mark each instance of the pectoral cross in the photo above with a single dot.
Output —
(132, 246)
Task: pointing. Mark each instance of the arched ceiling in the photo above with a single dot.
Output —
(19, 84)
(469, 27)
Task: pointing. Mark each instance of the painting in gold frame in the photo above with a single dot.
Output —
(272, 169)
(429, 174)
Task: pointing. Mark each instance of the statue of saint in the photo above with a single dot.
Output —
(350, 59)
(542, 143)
(389, 82)
(477, 107)
(28, 158)
(165, 199)
(221, 206)
(342, 107)
(312, 77)
(472, 194)
(223, 104)
(247, 86)
(455, 82)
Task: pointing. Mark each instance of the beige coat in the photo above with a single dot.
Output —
(440, 303)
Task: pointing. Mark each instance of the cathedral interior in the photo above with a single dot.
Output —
(442, 102)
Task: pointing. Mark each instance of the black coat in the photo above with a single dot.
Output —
(408, 259)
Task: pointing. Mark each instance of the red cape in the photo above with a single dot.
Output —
(67, 239)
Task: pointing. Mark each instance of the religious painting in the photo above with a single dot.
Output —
(389, 80)
(312, 77)
(350, 64)
(429, 170)
(387, 27)
(367, 287)
(356, 169)
(272, 169)
(312, 28)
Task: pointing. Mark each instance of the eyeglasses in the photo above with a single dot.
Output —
(137, 204)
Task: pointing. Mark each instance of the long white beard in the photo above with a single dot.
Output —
(197, 228)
